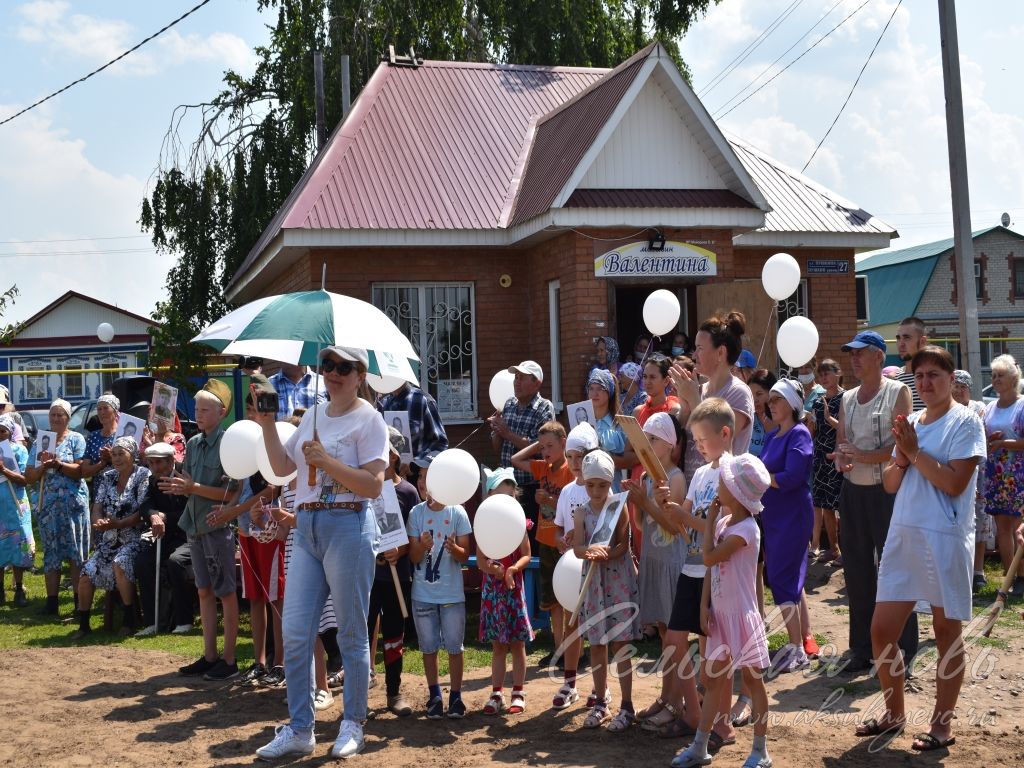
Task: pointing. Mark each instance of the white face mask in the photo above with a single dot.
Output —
(805, 378)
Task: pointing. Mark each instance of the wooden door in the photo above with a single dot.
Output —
(748, 297)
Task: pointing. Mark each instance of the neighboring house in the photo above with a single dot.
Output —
(922, 281)
(62, 336)
(507, 212)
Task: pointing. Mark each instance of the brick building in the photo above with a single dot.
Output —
(504, 212)
(922, 281)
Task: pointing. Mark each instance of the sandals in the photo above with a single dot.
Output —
(598, 715)
(677, 729)
(930, 742)
(716, 742)
(518, 705)
(622, 720)
(566, 697)
(592, 698)
(657, 707)
(496, 704)
(874, 728)
(655, 723)
(741, 717)
(688, 760)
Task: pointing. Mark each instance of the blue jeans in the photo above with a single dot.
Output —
(439, 626)
(334, 552)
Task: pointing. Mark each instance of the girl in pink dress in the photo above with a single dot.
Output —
(729, 615)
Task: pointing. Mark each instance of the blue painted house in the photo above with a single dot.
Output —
(921, 281)
(62, 337)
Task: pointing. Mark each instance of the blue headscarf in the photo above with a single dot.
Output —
(604, 378)
(612, 348)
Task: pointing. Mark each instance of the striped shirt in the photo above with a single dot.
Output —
(908, 379)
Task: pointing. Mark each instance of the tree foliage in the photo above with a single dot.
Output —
(9, 331)
(215, 193)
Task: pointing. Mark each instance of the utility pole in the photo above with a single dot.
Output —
(963, 243)
(318, 78)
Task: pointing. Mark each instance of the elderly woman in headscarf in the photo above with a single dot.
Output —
(116, 520)
(97, 445)
(63, 508)
(606, 355)
(17, 547)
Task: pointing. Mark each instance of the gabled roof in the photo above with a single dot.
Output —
(897, 279)
(890, 257)
(456, 153)
(76, 295)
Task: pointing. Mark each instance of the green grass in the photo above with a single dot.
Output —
(778, 639)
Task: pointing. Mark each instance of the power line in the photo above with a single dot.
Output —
(751, 47)
(100, 69)
(853, 87)
(817, 42)
(49, 254)
(72, 240)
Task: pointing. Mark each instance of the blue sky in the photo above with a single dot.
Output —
(77, 167)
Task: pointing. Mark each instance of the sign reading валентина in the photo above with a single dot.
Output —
(676, 259)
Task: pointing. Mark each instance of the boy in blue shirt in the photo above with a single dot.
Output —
(438, 545)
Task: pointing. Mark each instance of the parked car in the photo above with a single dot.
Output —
(134, 393)
(988, 394)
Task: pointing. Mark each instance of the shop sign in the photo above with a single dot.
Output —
(676, 259)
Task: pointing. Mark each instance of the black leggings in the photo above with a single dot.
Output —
(384, 604)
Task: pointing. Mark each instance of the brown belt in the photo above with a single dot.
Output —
(318, 506)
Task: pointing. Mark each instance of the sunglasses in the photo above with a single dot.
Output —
(343, 367)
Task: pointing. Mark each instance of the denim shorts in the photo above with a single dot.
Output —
(439, 626)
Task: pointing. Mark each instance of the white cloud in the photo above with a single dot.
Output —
(97, 41)
(50, 190)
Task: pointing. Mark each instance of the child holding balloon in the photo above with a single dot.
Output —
(582, 439)
(438, 545)
(608, 615)
(504, 618)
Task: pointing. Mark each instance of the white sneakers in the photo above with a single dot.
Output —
(182, 629)
(350, 740)
(324, 699)
(147, 631)
(287, 742)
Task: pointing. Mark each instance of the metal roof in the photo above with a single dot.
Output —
(445, 147)
(800, 204)
(895, 291)
(890, 257)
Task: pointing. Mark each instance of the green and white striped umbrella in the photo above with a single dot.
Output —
(294, 327)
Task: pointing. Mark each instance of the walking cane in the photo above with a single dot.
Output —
(1003, 593)
(398, 591)
(156, 596)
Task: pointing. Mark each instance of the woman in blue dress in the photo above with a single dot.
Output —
(601, 389)
(100, 441)
(17, 547)
(63, 508)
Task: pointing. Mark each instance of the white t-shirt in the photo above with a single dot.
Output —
(702, 491)
(957, 435)
(355, 438)
(572, 497)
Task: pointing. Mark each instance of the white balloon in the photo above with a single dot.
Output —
(499, 526)
(797, 341)
(780, 276)
(284, 431)
(661, 312)
(105, 332)
(453, 477)
(501, 389)
(383, 384)
(238, 449)
(567, 580)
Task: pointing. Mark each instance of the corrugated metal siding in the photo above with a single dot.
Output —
(656, 198)
(894, 292)
(652, 147)
(800, 205)
(562, 139)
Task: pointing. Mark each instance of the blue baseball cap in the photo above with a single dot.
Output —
(746, 360)
(865, 339)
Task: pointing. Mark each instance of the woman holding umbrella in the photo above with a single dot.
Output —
(346, 442)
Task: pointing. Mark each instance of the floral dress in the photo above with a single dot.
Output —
(63, 511)
(118, 545)
(826, 480)
(95, 442)
(17, 547)
(610, 607)
(503, 614)
(1004, 470)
